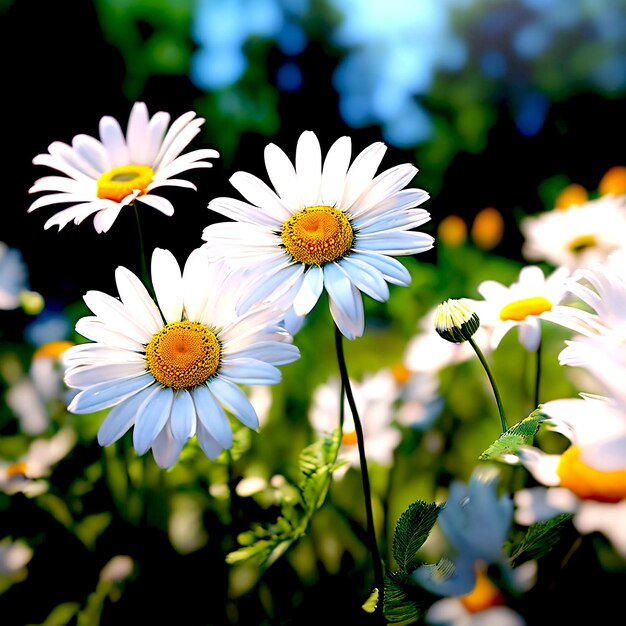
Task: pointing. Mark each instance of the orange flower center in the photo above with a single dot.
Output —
(349, 438)
(183, 354)
(52, 349)
(317, 235)
(118, 182)
(587, 482)
(483, 596)
(519, 310)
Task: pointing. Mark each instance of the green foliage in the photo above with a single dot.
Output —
(265, 544)
(540, 538)
(523, 433)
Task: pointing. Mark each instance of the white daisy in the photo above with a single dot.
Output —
(577, 235)
(522, 304)
(103, 176)
(329, 225)
(374, 397)
(589, 478)
(14, 556)
(171, 370)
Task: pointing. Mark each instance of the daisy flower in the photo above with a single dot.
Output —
(103, 176)
(374, 397)
(170, 370)
(28, 473)
(521, 305)
(577, 235)
(589, 478)
(331, 226)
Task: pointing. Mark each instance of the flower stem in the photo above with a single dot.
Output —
(144, 266)
(496, 393)
(537, 376)
(371, 531)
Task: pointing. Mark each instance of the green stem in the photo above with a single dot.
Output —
(496, 393)
(371, 531)
(144, 266)
(537, 375)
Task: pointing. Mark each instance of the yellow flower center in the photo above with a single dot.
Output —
(401, 373)
(17, 469)
(519, 310)
(613, 181)
(582, 243)
(483, 596)
(572, 195)
(587, 482)
(183, 355)
(317, 235)
(118, 182)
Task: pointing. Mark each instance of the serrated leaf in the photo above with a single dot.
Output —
(540, 538)
(400, 608)
(523, 433)
(412, 530)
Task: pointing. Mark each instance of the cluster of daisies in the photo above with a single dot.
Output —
(171, 365)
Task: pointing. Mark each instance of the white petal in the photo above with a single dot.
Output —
(136, 298)
(212, 417)
(346, 303)
(96, 330)
(367, 278)
(104, 219)
(530, 333)
(88, 375)
(209, 446)
(255, 191)
(283, 278)
(168, 284)
(235, 401)
(113, 139)
(334, 171)
(396, 242)
(165, 449)
(392, 270)
(105, 395)
(183, 419)
(157, 202)
(121, 417)
(243, 212)
(282, 175)
(249, 371)
(310, 290)
(309, 167)
(151, 417)
(274, 352)
(195, 273)
(541, 465)
(362, 171)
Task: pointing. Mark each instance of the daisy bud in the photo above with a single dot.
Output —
(455, 321)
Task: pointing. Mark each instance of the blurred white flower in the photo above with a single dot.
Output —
(14, 283)
(521, 305)
(589, 478)
(577, 235)
(374, 397)
(14, 556)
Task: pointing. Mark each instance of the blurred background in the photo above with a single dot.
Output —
(501, 104)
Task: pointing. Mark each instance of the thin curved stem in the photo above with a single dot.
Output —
(537, 376)
(496, 393)
(144, 266)
(371, 531)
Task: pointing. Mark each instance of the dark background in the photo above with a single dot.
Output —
(59, 76)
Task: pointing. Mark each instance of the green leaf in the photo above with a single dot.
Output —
(412, 530)
(523, 433)
(540, 538)
(60, 615)
(401, 607)
(265, 544)
(91, 527)
(369, 606)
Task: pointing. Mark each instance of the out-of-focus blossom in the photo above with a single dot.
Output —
(476, 523)
(613, 181)
(452, 231)
(39, 393)
(588, 479)
(14, 284)
(578, 235)
(374, 397)
(28, 473)
(487, 228)
(520, 305)
(14, 558)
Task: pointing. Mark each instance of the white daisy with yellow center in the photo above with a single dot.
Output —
(173, 370)
(103, 176)
(520, 305)
(577, 235)
(331, 226)
(588, 478)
